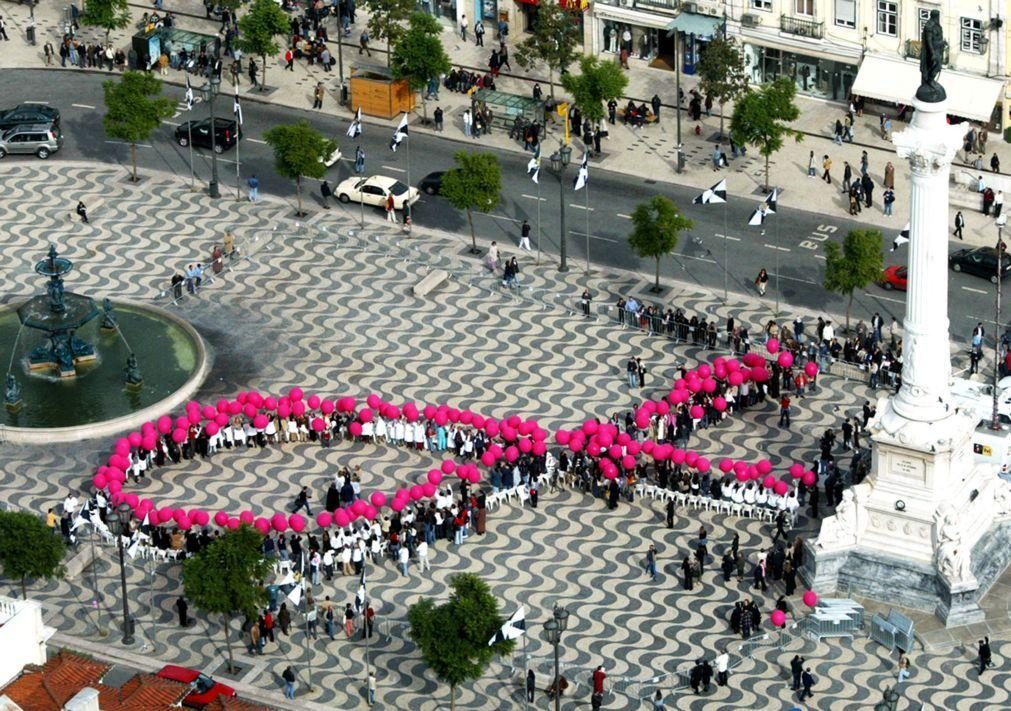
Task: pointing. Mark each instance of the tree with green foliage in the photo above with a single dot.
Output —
(387, 20)
(299, 151)
(29, 548)
(257, 30)
(227, 578)
(598, 81)
(721, 72)
(854, 265)
(134, 108)
(656, 225)
(760, 118)
(552, 41)
(108, 14)
(418, 55)
(474, 184)
(453, 637)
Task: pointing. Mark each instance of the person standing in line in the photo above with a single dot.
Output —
(867, 186)
(959, 224)
(796, 669)
(888, 199)
(651, 561)
(826, 166)
(847, 176)
(289, 682)
(531, 685)
(807, 680)
(525, 236)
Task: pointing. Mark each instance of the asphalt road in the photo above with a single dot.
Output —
(790, 245)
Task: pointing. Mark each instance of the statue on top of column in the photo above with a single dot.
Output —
(931, 58)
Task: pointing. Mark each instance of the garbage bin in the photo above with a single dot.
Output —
(680, 160)
(30, 34)
(344, 94)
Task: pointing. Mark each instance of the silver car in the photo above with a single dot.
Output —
(41, 139)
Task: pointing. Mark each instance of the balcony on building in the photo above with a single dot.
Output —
(23, 636)
(801, 27)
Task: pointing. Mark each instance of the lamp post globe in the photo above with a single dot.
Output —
(561, 616)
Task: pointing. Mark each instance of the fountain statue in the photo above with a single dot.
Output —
(108, 318)
(133, 377)
(12, 394)
(58, 314)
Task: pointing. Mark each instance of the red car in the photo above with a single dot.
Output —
(894, 277)
(205, 689)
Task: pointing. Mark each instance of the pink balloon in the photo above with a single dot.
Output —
(262, 525)
(417, 492)
(796, 469)
(703, 465)
(132, 500)
(314, 402)
(785, 359)
(99, 481)
(772, 346)
(340, 518)
(735, 378)
(709, 386)
(628, 462)
(295, 394)
(249, 410)
(704, 371)
(590, 427)
(212, 429)
(365, 415)
(764, 466)
(327, 407)
(808, 478)
(324, 519)
(428, 489)
(134, 439)
(297, 523)
(117, 498)
(246, 517)
(719, 403)
(184, 523)
(149, 442)
(491, 428)
(370, 513)
(200, 517)
(448, 466)
(221, 419)
(270, 403)
(769, 481)
(279, 522)
(178, 436)
(373, 401)
(398, 505)
(165, 515)
(691, 458)
(512, 454)
(488, 459)
(435, 476)
(526, 446)
(811, 368)
(726, 465)
(355, 428)
(221, 518)
(164, 424)
(318, 425)
(810, 598)
(781, 487)
(115, 487)
(697, 412)
(778, 618)
(234, 407)
(378, 499)
(358, 507)
(233, 523)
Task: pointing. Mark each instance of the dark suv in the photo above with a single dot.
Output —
(29, 113)
(227, 133)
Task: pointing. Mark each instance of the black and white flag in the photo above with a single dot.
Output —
(770, 201)
(759, 215)
(189, 94)
(583, 176)
(902, 239)
(534, 168)
(83, 517)
(237, 108)
(514, 627)
(355, 129)
(399, 135)
(713, 195)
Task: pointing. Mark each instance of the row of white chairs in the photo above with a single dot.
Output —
(696, 502)
(495, 499)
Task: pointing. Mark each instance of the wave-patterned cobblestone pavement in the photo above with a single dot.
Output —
(333, 312)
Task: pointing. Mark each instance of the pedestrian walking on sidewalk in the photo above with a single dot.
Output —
(3, 29)
(888, 198)
(463, 27)
(327, 192)
(49, 52)
(995, 163)
(82, 211)
(959, 224)
(811, 169)
(289, 682)
(998, 203)
(525, 236)
(437, 117)
(503, 57)
(651, 561)
(478, 33)
(847, 176)
(363, 43)
(254, 188)
(762, 281)
(317, 100)
(826, 166)
(289, 58)
(807, 680)
(252, 73)
(391, 212)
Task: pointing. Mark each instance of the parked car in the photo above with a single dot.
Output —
(227, 133)
(981, 261)
(374, 190)
(205, 689)
(894, 277)
(431, 184)
(29, 113)
(41, 139)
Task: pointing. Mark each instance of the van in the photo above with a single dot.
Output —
(994, 446)
(41, 139)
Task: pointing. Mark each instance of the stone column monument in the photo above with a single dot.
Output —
(921, 530)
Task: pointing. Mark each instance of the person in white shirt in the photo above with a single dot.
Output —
(403, 556)
(721, 664)
(70, 504)
(422, 550)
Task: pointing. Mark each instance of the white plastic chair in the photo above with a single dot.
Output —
(524, 494)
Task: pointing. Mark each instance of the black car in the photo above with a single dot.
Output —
(981, 261)
(227, 133)
(29, 113)
(431, 184)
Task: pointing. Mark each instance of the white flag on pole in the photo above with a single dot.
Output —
(583, 176)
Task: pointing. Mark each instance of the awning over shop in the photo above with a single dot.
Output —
(694, 24)
(896, 80)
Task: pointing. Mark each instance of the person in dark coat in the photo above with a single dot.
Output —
(867, 185)
(656, 103)
(612, 495)
(183, 608)
(796, 669)
(686, 571)
(332, 498)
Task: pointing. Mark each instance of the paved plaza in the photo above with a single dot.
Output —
(328, 307)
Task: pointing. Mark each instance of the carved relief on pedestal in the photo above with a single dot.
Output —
(951, 557)
(840, 529)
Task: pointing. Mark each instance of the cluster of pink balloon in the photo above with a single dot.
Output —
(778, 617)
(518, 435)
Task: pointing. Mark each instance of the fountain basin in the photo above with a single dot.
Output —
(97, 402)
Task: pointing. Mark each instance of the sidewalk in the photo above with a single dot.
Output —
(648, 152)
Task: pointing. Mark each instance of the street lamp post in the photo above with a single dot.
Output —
(559, 160)
(994, 422)
(121, 523)
(210, 92)
(553, 629)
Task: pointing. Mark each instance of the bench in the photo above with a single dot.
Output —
(80, 561)
(432, 281)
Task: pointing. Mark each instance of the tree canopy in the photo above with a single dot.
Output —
(656, 225)
(854, 265)
(226, 577)
(299, 151)
(760, 118)
(474, 184)
(387, 19)
(108, 14)
(258, 28)
(721, 72)
(134, 108)
(453, 637)
(551, 41)
(598, 81)
(28, 548)
(419, 55)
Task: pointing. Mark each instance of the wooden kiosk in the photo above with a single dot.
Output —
(378, 94)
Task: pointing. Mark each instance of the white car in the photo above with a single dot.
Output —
(375, 189)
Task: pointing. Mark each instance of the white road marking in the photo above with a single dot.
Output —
(83, 106)
(255, 140)
(395, 170)
(790, 278)
(883, 298)
(820, 256)
(781, 249)
(171, 123)
(622, 214)
(44, 103)
(730, 237)
(123, 143)
(533, 197)
(974, 291)
(699, 259)
(580, 207)
(498, 217)
(592, 236)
